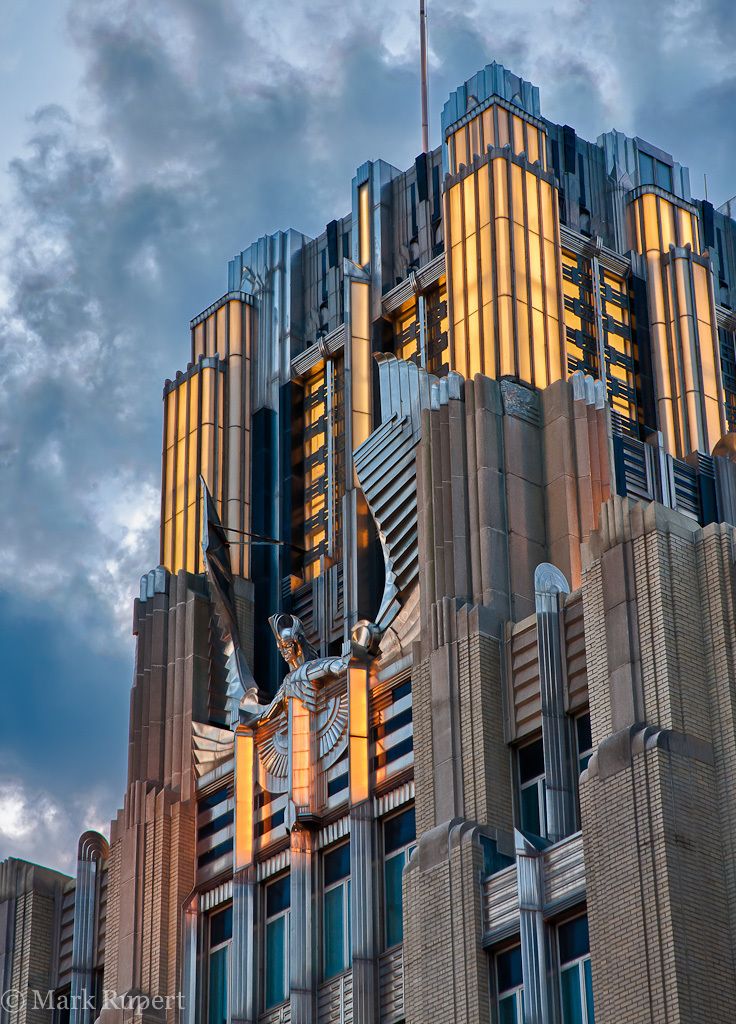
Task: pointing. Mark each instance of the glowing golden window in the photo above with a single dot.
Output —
(684, 341)
(503, 255)
(206, 412)
(323, 463)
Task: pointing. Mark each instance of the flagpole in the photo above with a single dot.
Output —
(423, 56)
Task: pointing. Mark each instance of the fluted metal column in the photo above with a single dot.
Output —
(301, 929)
(530, 881)
(243, 951)
(549, 585)
(92, 851)
(363, 942)
(189, 962)
(365, 996)
(243, 963)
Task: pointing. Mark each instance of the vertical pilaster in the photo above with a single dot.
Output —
(243, 984)
(530, 880)
(363, 942)
(92, 850)
(189, 962)
(358, 417)
(549, 586)
(244, 972)
(301, 927)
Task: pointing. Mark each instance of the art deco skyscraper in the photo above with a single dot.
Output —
(433, 707)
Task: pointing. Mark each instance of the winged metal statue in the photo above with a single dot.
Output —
(216, 551)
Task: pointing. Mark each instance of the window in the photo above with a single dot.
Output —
(533, 789)
(510, 986)
(576, 983)
(663, 175)
(336, 949)
(278, 901)
(584, 740)
(399, 842)
(646, 169)
(212, 799)
(493, 861)
(220, 934)
(654, 172)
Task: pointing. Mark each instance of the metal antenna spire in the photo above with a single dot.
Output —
(423, 52)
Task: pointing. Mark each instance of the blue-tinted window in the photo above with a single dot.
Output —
(654, 172)
(509, 981)
(278, 899)
(276, 961)
(221, 926)
(221, 931)
(576, 981)
(574, 941)
(646, 169)
(493, 861)
(222, 821)
(337, 864)
(400, 691)
(399, 830)
(217, 986)
(336, 910)
(399, 836)
(533, 788)
(337, 785)
(508, 968)
(212, 799)
(571, 997)
(531, 761)
(278, 896)
(663, 174)
(215, 853)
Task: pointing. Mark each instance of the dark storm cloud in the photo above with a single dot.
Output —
(202, 126)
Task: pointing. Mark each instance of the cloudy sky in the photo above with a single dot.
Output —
(142, 144)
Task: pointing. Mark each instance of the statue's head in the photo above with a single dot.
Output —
(366, 639)
(291, 640)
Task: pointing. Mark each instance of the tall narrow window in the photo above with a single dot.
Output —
(364, 224)
(278, 901)
(584, 740)
(336, 910)
(646, 169)
(533, 789)
(663, 174)
(510, 986)
(399, 842)
(727, 345)
(220, 934)
(576, 983)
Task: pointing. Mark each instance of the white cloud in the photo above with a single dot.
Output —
(37, 827)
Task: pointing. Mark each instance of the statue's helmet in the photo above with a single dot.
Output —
(366, 637)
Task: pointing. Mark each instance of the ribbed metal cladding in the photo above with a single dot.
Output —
(365, 995)
(414, 284)
(83, 946)
(189, 962)
(243, 995)
(92, 850)
(530, 879)
(301, 929)
(549, 584)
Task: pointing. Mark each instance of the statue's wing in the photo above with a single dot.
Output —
(386, 467)
(211, 745)
(216, 553)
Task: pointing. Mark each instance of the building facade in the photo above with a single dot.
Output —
(434, 706)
